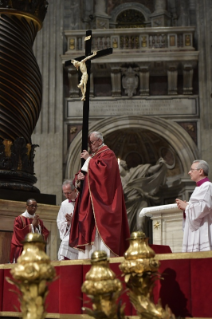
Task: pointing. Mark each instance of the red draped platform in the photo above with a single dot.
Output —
(186, 286)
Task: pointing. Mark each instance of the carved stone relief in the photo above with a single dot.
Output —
(130, 80)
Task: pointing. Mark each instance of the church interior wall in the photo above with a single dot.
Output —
(78, 15)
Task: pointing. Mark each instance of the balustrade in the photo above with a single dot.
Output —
(172, 38)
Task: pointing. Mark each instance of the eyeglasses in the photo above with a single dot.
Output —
(68, 193)
(93, 142)
(194, 169)
(33, 206)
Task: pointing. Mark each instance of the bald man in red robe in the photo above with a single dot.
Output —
(24, 224)
(100, 218)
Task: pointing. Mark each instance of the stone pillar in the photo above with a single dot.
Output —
(188, 78)
(172, 74)
(173, 11)
(101, 18)
(192, 12)
(116, 81)
(144, 79)
(20, 91)
(73, 81)
(183, 18)
(160, 16)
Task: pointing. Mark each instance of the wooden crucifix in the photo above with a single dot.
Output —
(84, 64)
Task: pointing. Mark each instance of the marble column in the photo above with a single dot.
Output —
(20, 92)
(188, 78)
(172, 74)
(144, 79)
(48, 133)
(116, 81)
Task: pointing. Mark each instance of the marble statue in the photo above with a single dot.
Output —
(84, 79)
(140, 184)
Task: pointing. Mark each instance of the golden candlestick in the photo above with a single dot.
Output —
(31, 275)
(102, 286)
(141, 270)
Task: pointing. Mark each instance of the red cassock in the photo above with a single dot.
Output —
(101, 206)
(22, 227)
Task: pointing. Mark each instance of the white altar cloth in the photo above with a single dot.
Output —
(167, 225)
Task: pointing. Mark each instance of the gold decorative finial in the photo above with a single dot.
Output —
(102, 286)
(31, 274)
(141, 270)
(139, 247)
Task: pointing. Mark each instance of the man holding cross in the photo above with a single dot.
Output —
(100, 218)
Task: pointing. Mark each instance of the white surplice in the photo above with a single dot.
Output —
(65, 250)
(198, 224)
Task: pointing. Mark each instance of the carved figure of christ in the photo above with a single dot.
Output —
(84, 64)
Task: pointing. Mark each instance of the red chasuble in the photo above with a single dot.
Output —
(101, 206)
(22, 227)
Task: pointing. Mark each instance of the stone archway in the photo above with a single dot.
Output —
(126, 6)
(176, 136)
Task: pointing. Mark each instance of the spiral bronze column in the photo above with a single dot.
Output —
(20, 91)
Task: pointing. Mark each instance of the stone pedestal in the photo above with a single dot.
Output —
(48, 213)
(167, 225)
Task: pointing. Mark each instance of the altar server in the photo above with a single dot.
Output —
(64, 220)
(26, 223)
(198, 211)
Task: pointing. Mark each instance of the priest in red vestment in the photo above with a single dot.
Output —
(100, 218)
(26, 223)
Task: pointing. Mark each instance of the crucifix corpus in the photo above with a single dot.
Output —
(84, 64)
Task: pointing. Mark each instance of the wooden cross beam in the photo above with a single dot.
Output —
(87, 60)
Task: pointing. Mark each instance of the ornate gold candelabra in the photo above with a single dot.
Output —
(141, 270)
(31, 274)
(102, 286)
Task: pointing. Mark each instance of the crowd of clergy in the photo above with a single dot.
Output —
(93, 216)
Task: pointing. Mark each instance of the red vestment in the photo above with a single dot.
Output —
(22, 227)
(101, 206)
